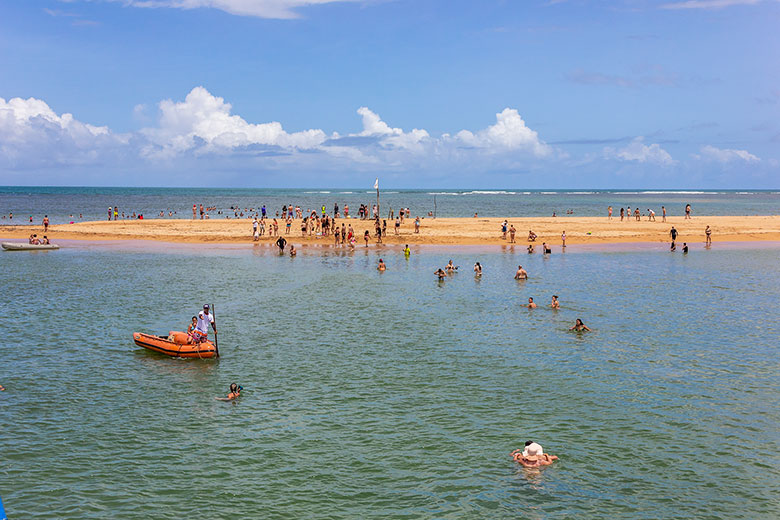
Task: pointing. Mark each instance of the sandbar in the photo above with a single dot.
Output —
(440, 231)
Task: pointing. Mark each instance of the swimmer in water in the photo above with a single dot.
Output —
(555, 304)
(293, 252)
(233, 393)
(531, 249)
(407, 251)
(440, 273)
(521, 273)
(450, 267)
(531, 304)
(381, 266)
(579, 326)
(532, 456)
(478, 269)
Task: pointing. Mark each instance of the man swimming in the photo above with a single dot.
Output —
(531, 304)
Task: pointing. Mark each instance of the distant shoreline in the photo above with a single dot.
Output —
(441, 231)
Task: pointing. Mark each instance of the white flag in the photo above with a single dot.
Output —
(376, 183)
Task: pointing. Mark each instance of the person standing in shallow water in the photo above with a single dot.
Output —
(521, 273)
(707, 237)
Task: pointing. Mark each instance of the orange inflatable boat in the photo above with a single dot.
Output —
(175, 344)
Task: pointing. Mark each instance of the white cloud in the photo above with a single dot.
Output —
(708, 4)
(280, 9)
(509, 133)
(373, 126)
(637, 151)
(31, 133)
(203, 123)
(725, 155)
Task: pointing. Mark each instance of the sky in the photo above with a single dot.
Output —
(530, 94)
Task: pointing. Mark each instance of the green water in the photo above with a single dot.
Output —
(391, 395)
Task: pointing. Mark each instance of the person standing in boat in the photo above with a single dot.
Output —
(201, 332)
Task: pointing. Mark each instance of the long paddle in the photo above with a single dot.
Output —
(216, 340)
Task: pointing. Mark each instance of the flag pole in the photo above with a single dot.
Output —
(376, 185)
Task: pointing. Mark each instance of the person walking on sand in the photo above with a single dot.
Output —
(673, 234)
(503, 229)
(707, 237)
(512, 232)
(622, 212)
(397, 224)
(366, 236)
(521, 273)
(254, 226)
(663, 213)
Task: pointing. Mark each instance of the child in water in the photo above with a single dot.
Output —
(233, 393)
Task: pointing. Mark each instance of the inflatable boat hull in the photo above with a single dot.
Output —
(20, 246)
(176, 348)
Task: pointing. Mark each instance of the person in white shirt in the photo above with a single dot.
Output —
(205, 318)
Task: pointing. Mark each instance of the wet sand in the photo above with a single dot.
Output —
(442, 231)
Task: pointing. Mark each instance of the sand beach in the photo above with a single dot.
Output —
(440, 231)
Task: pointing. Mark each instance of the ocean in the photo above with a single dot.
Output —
(391, 395)
(74, 204)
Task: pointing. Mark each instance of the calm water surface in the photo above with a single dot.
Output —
(64, 205)
(391, 395)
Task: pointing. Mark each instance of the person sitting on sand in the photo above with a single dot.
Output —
(381, 266)
(233, 393)
(532, 456)
(521, 273)
(440, 273)
(579, 326)
(477, 269)
(531, 304)
(555, 304)
(450, 267)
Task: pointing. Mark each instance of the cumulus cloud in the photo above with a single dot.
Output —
(373, 126)
(31, 133)
(637, 151)
(725, 155)
(509, 133)
(280, 9)
(204, 123)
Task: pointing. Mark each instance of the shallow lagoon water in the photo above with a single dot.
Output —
(392, 395)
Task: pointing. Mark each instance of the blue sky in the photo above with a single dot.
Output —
(295, 93)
